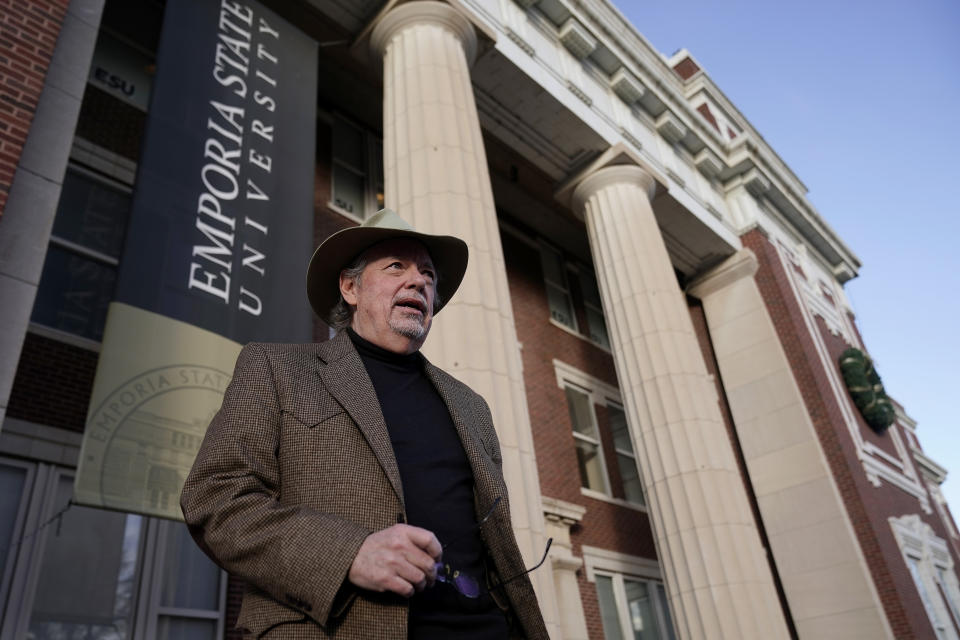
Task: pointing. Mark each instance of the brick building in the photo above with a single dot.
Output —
(654, 312)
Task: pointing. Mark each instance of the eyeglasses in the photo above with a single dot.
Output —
(466, 584)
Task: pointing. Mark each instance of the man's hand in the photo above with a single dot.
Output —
(401, 559)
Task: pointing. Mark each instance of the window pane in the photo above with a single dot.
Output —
(348, 145)
(74, 293)
(96, 598)
(665, 609)
(589, 285)
(632, 489)
(608, 609)
(924, 594)
(170, 628)
(642, 619)
(561, 308)
(348, 190)
(581, 412)
(91, 214)
(945, 585)
(12, 481)
(190, 579)
(621, 433)
(591, 470)
(598, 327)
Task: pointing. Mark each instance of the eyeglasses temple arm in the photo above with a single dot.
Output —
(533, 568)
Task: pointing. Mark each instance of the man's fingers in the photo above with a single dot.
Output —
(426, 541)
(399, 559)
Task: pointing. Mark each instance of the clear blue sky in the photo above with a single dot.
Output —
(860, 99)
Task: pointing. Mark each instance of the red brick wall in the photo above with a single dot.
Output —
(28, 33)
(704, 110)
(868, 506)
(53, 383)
(686, 68)
(111, 123)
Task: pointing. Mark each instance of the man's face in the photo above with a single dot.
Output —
(393, 296)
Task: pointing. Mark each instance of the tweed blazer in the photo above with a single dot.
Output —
(297, 469)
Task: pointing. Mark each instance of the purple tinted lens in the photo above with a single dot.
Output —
(467, 586)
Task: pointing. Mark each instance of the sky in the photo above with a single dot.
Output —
(860, 99)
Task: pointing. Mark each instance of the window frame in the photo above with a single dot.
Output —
(546, 249)
(114, 182)
(620, 566)
(600, 393)
(597, 307)
(623, 606)
(20, 520)
(371, 173)
(632, 454)
(595, 441)
(20, 577)
(928, 562)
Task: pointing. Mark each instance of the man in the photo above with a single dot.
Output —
(355, 487)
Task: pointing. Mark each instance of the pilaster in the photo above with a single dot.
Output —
(560, 517)
(35, 192)
(714, 565)
(825, 577)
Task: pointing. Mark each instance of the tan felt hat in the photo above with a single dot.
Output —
(449, 255)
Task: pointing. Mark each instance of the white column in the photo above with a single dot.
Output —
(716, 571)
(810, 533)
(435, 172)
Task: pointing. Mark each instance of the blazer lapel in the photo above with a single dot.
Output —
(346, 379)
(487, 480)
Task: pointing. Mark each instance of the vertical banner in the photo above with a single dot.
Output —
(218, 241)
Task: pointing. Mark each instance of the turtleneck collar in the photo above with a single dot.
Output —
(367, 349)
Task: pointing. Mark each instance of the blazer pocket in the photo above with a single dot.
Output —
(311, 419)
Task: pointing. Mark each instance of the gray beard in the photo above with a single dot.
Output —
(412, 329)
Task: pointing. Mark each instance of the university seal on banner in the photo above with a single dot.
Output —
(142, 438)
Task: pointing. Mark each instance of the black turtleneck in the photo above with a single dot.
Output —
(437, 492)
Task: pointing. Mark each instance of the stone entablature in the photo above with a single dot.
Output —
(618, 85)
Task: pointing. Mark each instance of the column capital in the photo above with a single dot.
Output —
(424, 12)
(616, 174)
(742, 264)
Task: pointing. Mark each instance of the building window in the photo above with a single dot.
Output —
(593, 474)
(80, 271)
(583, 392)
(594, 309)
(357, 170)
(950, 590)
(633, 608)
(558, 291)
(626, 459)
(92, 573)
(932, 570)
(933, 611)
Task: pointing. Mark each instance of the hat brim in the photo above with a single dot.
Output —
(449, 255)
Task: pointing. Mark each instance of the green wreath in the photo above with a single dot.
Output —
(866, 389)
